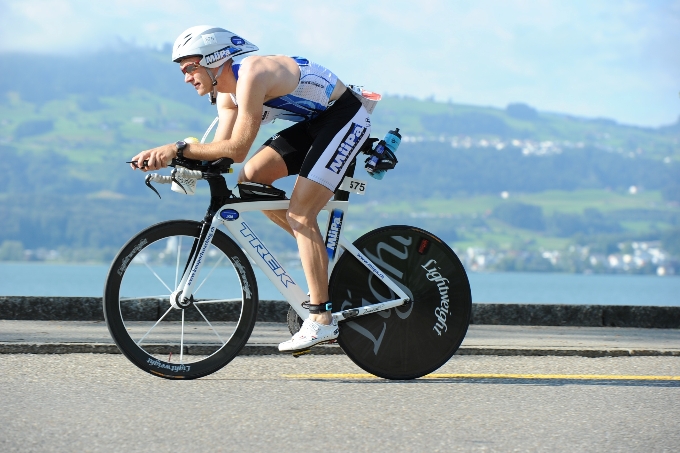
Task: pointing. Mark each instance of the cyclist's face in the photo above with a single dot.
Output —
(196, 75)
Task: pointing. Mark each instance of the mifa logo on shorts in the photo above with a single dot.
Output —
(350, 141)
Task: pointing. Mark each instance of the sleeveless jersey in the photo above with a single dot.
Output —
(310, 98)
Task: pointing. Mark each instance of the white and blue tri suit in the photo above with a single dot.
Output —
(325, 138)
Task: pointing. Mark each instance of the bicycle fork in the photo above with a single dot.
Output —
(182, 297)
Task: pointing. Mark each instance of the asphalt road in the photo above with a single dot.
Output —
(100, 402)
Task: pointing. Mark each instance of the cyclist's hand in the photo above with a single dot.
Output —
(155, 158)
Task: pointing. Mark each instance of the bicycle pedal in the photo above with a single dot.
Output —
(300, 352)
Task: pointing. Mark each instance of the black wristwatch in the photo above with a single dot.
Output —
(180, 145)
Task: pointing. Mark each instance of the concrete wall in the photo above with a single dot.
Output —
(90, 309)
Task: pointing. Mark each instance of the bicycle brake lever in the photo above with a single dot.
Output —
(173, 179)
(147, 181)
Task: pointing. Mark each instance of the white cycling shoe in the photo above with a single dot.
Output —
(311, 333)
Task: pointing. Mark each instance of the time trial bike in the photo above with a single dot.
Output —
(181, 298)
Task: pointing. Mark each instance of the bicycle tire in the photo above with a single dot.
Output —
(416, 339)
(293, 320)
(204, 336)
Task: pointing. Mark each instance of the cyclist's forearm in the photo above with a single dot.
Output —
(234, 149)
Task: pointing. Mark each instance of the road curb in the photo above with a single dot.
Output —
(568, 352)
(107, 348)
(266, 349)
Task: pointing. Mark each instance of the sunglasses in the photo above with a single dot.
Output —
(189, 68)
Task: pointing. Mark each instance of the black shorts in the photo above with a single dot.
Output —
(322, 148)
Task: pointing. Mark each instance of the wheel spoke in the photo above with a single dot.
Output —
(181, 341)
(209, 274)
(152, 327)
(125, 299)
(214, 301)
(157, 276)
(211, 326)
(179, 252)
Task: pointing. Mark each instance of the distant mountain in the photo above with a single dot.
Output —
(67, 125)
(111, 73)
(122, 72)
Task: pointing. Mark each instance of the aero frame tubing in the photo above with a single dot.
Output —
(275, 272)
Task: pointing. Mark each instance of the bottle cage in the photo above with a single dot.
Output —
(380, 159)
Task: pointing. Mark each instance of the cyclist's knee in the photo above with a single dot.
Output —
(249, 174)
(295, 221)
(298, 221)
(242, 176)
(253, 173)
(264, 167)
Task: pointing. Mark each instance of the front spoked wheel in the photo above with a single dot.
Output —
(174, 342)
(415, 339)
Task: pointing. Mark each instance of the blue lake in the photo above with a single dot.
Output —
(40, 279)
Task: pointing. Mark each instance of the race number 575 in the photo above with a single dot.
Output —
(353, 185)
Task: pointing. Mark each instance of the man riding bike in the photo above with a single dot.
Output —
(331, 125)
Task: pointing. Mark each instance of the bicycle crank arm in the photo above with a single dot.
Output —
(368, 309)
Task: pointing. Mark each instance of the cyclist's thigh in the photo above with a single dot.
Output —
(307, 200)
(265, 167)
(339, 134)
(281, 155)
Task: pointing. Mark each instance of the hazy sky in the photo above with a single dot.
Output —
(617, 59)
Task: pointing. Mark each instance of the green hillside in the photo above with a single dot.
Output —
(569, 183)
(429, 120)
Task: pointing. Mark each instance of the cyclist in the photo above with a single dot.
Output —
(331, 124)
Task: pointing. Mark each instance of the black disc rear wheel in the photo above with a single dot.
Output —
(415, 339)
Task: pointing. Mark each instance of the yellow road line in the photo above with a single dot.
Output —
(582, 377)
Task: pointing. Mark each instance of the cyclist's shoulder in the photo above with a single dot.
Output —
(266, 70)
(273, 64)
(255, 64)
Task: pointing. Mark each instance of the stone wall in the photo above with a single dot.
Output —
(90, 309)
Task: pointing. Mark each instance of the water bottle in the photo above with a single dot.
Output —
(391, 141)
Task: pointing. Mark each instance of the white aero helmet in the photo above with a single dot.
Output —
(214, 45)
